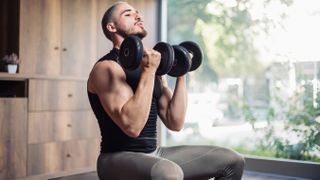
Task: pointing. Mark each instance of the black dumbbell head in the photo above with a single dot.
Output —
(167, 57)
(196, 52)
(131, 52)
(182, 61)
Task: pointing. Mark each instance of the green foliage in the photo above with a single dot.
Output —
(182, 18)
(226, 34)
(293, 129)
(232, 110)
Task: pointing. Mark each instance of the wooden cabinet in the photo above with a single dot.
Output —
(52, 131)
(13, 137)
(61, 126)
(40, 37)
(47, 129)
(54, 95)
(63, 133)
(62, 156)
(79, 38)
(58, 37)
(64, 37)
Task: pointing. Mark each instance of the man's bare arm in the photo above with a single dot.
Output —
(130, 111)
(173, 106)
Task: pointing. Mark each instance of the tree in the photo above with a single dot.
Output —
(225, 30)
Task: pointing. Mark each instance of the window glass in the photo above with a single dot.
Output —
(257, 90)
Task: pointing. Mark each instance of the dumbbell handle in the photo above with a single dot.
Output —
(191, 55)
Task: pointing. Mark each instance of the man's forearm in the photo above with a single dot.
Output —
(178, 104)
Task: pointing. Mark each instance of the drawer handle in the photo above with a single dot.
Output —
(56, 48)
(64, 49)
(69, 125)
(68, 155)
(70, 95)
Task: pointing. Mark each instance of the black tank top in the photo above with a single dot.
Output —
(113, 138)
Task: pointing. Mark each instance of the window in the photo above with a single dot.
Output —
(258, 88)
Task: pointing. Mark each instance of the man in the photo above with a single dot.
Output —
(127, 103)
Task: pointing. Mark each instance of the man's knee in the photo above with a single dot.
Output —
(166, 170)
(238, 160)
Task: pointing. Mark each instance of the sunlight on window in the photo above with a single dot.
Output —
(297, 38)
(258, 88)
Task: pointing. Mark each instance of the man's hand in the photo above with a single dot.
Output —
(150, 61)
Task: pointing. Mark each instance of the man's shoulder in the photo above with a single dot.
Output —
(106, 66)
(103, 72)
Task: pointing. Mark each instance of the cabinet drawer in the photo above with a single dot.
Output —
(13, 118)
(61, 126)
(57, 95)
(62, 156)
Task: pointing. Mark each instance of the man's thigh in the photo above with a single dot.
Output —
(200, 162)
(125, 165)
(140, 166)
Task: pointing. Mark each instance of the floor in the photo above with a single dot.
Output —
(248, 175)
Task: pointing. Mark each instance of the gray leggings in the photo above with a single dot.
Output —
(180, 162)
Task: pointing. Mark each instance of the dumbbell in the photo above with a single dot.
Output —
(188, 57)
(175, 61)
(131, 53)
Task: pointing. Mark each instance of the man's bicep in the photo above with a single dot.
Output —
(113, 101)
(113, 91)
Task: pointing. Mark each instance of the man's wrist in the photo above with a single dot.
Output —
(149, 73)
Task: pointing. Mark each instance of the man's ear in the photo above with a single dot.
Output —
(111, 27)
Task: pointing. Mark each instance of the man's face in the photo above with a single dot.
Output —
(128, 21)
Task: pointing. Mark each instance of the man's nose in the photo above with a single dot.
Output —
(138, 16)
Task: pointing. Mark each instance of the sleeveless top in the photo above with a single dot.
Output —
(113, 138)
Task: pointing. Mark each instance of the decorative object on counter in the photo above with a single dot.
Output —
(11, 63)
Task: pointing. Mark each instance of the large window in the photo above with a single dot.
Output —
(257, 90)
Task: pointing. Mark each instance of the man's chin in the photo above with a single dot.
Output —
(141, 34)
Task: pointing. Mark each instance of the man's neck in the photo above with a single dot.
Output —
(117, 41)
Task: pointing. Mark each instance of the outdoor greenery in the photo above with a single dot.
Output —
(299, 119)
(226, 31)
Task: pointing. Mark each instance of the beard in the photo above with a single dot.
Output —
(126, 33)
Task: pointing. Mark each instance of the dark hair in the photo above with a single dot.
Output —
(107, 17)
